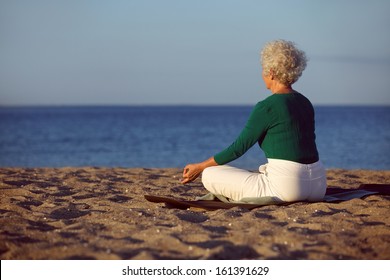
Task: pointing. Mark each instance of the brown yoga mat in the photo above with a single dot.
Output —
(332, 195)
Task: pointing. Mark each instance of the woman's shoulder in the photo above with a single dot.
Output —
(283, 98)
(280, 101)
(273, 99)
(264, 105)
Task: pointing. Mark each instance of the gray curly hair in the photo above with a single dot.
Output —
(284, 60)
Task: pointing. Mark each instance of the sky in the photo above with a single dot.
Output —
(181, 52)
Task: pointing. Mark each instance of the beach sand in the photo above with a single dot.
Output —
(101, 213)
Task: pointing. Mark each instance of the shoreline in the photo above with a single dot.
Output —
(100, 213)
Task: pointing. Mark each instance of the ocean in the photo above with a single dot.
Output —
(349, 137)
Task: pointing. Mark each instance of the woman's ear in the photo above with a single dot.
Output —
(271, 74)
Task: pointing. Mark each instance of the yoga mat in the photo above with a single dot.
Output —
(203, 204)
(211, 202)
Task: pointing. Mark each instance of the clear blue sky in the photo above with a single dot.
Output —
(188, 52)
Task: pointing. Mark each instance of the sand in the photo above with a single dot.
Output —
(101, 213)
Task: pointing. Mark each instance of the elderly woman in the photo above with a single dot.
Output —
(283, 125)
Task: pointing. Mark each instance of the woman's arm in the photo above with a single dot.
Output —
(192, 171)
(254, 130)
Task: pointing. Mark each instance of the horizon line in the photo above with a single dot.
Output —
(184, 105)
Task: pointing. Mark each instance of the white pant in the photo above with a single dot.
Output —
(286, 180)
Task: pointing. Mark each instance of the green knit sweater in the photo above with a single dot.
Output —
(283, 125)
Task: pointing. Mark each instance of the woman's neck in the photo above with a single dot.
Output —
(278, 88)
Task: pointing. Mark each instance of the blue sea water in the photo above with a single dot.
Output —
(172, 136)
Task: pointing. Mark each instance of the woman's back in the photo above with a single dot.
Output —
(290, 134)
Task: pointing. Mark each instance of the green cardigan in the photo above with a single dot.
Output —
(283, 125)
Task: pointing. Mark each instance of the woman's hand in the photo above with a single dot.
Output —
(192, 171)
